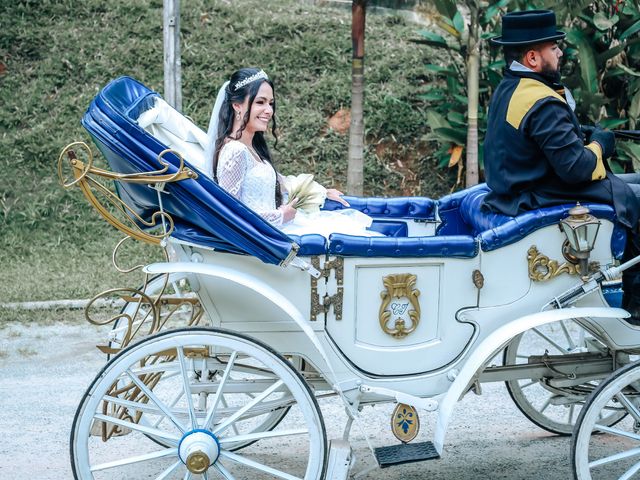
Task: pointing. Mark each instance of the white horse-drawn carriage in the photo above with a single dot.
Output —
(216, 363)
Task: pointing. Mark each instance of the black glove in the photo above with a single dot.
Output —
(587, 131)
(607, 141)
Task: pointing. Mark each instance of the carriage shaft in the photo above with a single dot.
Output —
(566, 369)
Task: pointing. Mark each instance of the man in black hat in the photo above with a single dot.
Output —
(535, 153)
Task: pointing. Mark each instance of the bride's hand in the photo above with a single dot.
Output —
(288, 211)
(336, 195)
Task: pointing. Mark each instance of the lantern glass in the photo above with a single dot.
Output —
(581, 229)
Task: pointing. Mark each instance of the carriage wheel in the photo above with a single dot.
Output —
(551, 409)
(598, 450)
(178, 379)
(177, 285)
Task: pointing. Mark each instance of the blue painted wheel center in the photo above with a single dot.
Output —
(198, 449)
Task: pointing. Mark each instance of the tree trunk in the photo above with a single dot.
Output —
(473, 71)
(355, 168)
(172, 63)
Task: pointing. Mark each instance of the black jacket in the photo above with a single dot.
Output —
(534, 153)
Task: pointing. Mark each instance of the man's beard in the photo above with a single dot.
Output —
(551, 73)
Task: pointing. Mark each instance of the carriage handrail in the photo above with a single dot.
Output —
(151, 177)
(83, 174)
(591, 283)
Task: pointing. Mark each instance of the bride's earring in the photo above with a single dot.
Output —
(238, 115)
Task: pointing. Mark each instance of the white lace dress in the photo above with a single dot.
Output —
(253, 183)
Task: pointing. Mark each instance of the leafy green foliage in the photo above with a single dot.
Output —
(55, 55)
(445, 95)
(602, 67)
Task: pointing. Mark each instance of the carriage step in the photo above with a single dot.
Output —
(405, 453)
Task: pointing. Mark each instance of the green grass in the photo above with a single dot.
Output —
(56, 55)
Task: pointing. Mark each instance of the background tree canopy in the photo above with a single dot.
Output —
(55, 55)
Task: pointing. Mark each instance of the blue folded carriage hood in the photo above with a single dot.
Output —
(203, 212)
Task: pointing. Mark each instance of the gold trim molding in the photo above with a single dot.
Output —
(542, 268)
(399, 286)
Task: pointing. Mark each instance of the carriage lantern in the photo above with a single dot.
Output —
(581, 229)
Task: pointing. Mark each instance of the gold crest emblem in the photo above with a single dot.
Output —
(400, 305)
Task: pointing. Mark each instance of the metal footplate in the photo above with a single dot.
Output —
(405, 453)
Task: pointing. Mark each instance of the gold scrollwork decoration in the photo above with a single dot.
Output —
(399, 286)
(542, 268)
(93, 181)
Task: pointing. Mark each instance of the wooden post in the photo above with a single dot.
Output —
(172, 64)
(473, 83)
(355, 166)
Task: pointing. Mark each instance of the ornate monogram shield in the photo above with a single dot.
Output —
(399, 313)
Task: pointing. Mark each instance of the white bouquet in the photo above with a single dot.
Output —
(311, 195)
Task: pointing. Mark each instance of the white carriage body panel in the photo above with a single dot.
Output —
(506, 274)
(444, 285)
(455, 315)
(243, 309)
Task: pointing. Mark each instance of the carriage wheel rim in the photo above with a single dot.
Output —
(314, 458)
(587, 423)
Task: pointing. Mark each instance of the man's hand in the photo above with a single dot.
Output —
(336, 195)
(607, 141)
(587, 131)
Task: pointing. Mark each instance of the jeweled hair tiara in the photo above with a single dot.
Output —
(250, 79)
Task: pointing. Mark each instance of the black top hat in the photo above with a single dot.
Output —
(528, 27)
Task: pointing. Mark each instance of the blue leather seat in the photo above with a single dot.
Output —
(207, 215)
(421, 208)
(496, 230)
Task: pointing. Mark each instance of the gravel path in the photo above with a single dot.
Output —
(44, 370)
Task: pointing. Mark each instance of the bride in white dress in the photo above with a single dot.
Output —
(242, 164)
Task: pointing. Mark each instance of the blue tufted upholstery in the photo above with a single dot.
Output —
(451, 221)
(496, 230)
(448, 246)
(207, 215)
(390, 228)
(398, 207)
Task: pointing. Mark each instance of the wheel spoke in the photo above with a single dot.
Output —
(545, 405)
(567, 335)
(552, 342)
(227, 371)
(187, 476)
(152, 396)
(226, 405)
(629, 406)
(223, 471)
(137, 459)
(617, 432)
(614, 458)
(258, 466)
(224, 425)
(153, 432)
(527, 385)
(631, 472)
(172, 405)
(187, 389)
(169, 470)
(261, 435)
(571, 413)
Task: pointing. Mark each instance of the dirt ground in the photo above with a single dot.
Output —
(44, 370)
